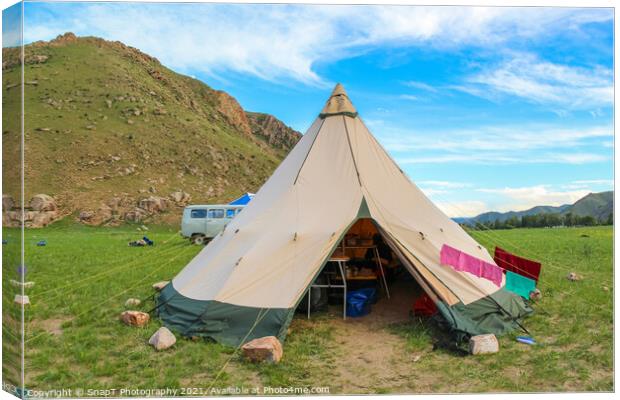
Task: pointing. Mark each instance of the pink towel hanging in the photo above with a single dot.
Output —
(460, 261)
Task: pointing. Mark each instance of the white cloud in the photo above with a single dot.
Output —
(551, 158)
(522, 198)
(409, 97)
(534, 143)
(492, 138)
(462, 208)
(589, 184)
(421, 85)
(444, 184)
(284, 41)
(528, 77)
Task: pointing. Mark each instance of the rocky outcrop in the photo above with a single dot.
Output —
(153, 204)
(273, 131)
(41, 212)
(180, 198)
(232, 111)
(136, 215)
(64, 39)
(7, 203)
(43, 202)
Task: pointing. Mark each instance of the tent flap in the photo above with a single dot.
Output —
(498, 313)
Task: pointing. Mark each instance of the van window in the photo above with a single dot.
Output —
(230, 213)
(219, 213)
(198, 214)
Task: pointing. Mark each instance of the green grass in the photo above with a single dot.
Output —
(84, 275)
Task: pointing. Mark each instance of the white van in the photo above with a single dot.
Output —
(202, 223)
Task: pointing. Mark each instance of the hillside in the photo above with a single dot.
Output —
(107, 126)
(597, 205)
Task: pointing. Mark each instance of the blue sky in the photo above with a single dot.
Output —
(484, 108)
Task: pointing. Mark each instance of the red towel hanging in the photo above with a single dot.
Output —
(518, 265)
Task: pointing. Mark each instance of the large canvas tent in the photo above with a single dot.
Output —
(249, 279)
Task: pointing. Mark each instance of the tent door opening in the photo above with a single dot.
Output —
(363, 264)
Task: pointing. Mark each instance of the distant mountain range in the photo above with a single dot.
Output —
(597, 205)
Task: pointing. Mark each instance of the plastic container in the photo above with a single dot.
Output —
(359, 301)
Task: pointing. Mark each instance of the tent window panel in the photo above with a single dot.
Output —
(230, 213)
(198, 214)
(217, 213)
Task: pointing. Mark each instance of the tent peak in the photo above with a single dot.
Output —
(338, 104)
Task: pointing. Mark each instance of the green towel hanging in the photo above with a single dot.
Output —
(519, 284)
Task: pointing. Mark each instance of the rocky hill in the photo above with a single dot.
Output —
(113, 135)
(273, 131)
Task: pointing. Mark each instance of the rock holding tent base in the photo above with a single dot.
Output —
(483, 344)
(535, 294)
(135, 318)
(132, 302)
(267, 348)
(23, 300)
(160, 285)
(162, 339)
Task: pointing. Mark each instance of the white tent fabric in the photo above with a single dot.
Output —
(269, 254)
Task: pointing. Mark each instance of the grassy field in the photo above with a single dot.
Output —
(84, 275)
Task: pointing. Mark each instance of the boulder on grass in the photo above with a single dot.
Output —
(132, 303)
(573, 276)
(162, 339)
(135, 318)
(267, 348)
(483, 344)
(23, 300)
(160, 285)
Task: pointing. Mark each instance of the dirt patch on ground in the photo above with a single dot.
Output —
(52, 325)
(370, 356)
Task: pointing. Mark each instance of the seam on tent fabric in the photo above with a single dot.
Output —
(205, 271)
(346, 129)
(277, 269)
(308, 152)
(289, 317)
(380, 210)
(372, 137)
(406, 248)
